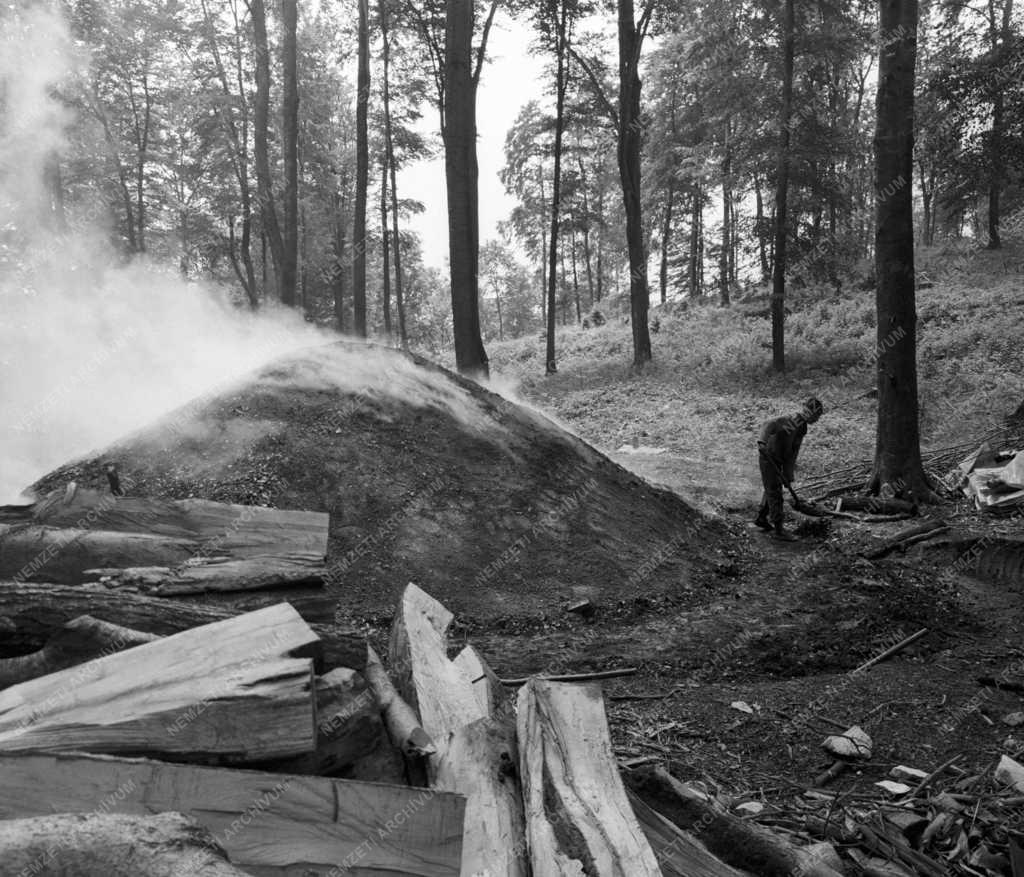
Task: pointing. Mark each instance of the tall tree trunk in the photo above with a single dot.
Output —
(261, 158)
(1000, 45)
(666, 234)
(556, 185)
(389, 148)
(338, 273)
(362, 174)
(586, 229)
(695, 240)
(781, 192)
(385, 248)
(723, 259)
(575, 276)
(630, 135)
(759, 221)
(290, 148)
(461, 178)
(497, 304)
(141, 133)
(897, 450)
(600, 243)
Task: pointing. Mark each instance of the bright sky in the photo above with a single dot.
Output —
(512, 78)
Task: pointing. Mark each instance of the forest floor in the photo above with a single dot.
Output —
(782, 627)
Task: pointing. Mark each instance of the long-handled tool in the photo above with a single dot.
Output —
(798, 504)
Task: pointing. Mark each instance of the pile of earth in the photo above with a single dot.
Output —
(428, 477)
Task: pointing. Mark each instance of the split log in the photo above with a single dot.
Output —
(269, 824)
(105, 845)
(486, 685)
(679, 853)
(908, 537)
(476, 754)
(741, 844)
(237, 691)
(213, 574)
(578, 818)
(30, 613)
(479, 761)
(401, 720)
(438, 690)
(876, 505)
(77, 641)
(348, 728)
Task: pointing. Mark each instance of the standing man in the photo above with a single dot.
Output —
(777, 449)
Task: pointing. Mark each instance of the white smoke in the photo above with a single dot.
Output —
(90, 348)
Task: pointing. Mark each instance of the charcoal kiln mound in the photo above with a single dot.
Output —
(427, 477)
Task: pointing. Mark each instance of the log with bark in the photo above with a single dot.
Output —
(403, 724)
(908, 537)
(876, 505)
(738, 843)
(476, 754)
(238, 690)
(578, 818)
(165, 546)
(269, 824)
(348, 727)
(77, 641)
(30, 613)
(679, 853)
(109, 845)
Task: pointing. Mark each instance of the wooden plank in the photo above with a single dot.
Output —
(272, 824)
(236, 690)
(30, 613)
(577, 814)
(104, 845)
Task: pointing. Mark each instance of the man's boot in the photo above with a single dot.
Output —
(781, 534)
(763, 522)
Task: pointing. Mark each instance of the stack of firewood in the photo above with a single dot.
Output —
(236, 747)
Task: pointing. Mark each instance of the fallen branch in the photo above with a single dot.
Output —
(400, 719)
(908, 537)
(574, 677)
(888, 653)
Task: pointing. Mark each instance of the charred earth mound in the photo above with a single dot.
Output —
(428, 477)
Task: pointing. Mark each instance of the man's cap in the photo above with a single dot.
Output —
(814, 406)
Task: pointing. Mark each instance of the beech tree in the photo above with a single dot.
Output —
(781, 191)
(362, 174)
(897, 449)
(290, 144)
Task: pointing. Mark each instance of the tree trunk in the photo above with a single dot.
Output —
(666, 233)
(781, 193)
(723, 259)
(1000, 45)
(556, 185)
(575, 275)
(543, 256)
(362, 174)
(261, 158)
(389, 149)
(586, 230)
(695, 239)
(897, 450)
(759, 221)
(337, 272)
(290, 148)
(461, 178)
(385, 248)
(630, 136)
